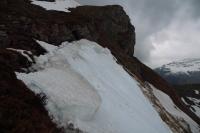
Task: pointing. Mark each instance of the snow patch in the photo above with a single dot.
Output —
(22, 52)
(58, 5)
(196, 92)
(85, 85)
(46, 46)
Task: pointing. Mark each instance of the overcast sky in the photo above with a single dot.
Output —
(166, 30)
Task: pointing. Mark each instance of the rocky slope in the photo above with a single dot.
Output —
(22, 23)
(190, 95)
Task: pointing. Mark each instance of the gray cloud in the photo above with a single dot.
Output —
(162, 28)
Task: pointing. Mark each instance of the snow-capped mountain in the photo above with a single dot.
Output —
(181, 72)
(71, 70)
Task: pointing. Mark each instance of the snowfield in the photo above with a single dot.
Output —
(85, 85)
(58, 5)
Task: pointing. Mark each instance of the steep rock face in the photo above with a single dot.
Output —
(117, 33)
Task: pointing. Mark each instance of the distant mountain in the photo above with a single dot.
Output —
(181, 72)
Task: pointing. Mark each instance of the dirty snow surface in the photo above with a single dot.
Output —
(85, 85)
(58, 5)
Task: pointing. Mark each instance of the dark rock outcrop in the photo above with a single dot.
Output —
(14, 60)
